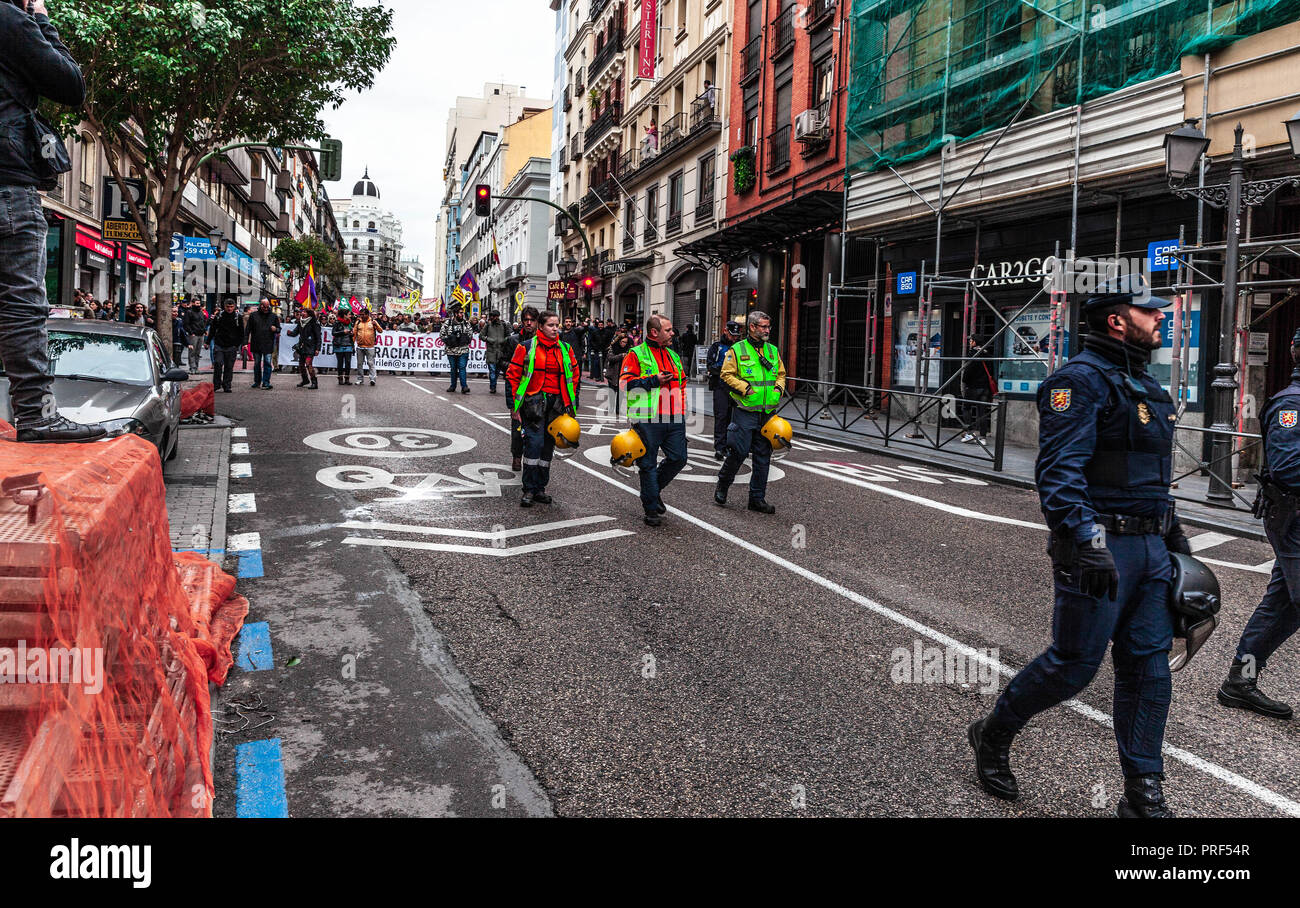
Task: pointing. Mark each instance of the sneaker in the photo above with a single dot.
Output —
(60, 429)
(967, 438)
(372, 383)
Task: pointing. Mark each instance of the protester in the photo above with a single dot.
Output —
(614, 356)
(343, 345)
(227, 335)
(494, 335)
(196, 326)
(308, 332)
(527, 329)
(178, 335)
(262, 335)
(456, 336)
(544, 373)
(366, 336)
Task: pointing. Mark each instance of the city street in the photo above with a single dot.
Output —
(434, 649)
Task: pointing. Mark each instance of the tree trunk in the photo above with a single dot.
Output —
(162, 283)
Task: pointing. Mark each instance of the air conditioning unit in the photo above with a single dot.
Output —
(808, 125)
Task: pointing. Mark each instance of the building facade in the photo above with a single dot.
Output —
(372, 240)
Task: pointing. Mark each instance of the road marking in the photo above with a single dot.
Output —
(488, 550)
(1265, 568)
(390, 441)
(1203, 541)
(419, 387)
(238, 433)
(242, 503)
(241, 471)
(440, 397)
(487, 536)
(244, 542)
(255, 648)
(239, 448)
(1228, 777)
(250, 565)
(259, 787)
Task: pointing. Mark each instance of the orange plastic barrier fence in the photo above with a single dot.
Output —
(105, 653)
(200, 397)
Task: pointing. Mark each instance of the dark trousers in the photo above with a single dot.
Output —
(744, 439)
(1277, 616)
(516, 426)
(722, 405)
(494, 369)
(223, 366)
(593, 362)
(977, 417)
(345, 365)
(537, 412)
(24, 341)
(656, 474)
(1139, 624)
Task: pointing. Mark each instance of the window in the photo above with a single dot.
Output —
(356, 225)
(89, 151)
(675, 184)
(823, 81)
(652, 215)
(372, 245)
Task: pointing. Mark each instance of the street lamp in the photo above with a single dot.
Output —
(566, 267)
(1183, 150)
(217, 238)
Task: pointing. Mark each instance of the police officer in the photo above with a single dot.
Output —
(1278, 615)
(731, 333)
(755, 376)
(1104, 459)
(654, 384)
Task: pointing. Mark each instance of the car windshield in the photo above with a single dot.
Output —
(106, 356)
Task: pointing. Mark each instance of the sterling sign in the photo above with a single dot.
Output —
(623, 266)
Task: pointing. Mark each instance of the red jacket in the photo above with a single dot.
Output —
(548, 370)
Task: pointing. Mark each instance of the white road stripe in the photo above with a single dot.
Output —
(1228, 777)
(238, 433)
(244, 542)
(241, 471)
(239, 448)
(1265, 568)
(488, 550)
(418, 387)
(1203, 541)
(243, 503)
(486, 535)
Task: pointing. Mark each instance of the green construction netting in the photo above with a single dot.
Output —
(925, 72)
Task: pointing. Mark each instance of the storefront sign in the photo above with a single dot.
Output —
(906, 283)
(1158, 255)
(1002, 274)
(623, 266)
(645, 67)
(397, 350)
(197, 247)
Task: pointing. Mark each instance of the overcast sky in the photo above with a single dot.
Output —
(398, 128)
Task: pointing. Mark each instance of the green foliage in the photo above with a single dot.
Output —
(743, 174)
(295, 254)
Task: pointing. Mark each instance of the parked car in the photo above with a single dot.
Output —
(116, 374)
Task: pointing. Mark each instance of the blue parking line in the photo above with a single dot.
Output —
(259, 789)
(255, 648)
(250, 565)
(210, 554)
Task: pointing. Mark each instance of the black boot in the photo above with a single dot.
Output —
(992, 747)
(1240, 692)
(526, 500)
(1143, 798)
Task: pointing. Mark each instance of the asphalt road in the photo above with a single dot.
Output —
(570, 658)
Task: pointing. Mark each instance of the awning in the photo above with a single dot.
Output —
(809, 215)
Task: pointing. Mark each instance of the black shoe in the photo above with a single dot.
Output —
(314, 386)
(372, 383)
(993, 760)
(526, 500)
(60, 429)
(464, 390)
(719, 456)
(1143, 798)
(1239, 692)
(762, 507)
(516, 464)
(720, 495)
(254, 386)
(652, 519)
(541, 498)
(303, 384)
(227, 391)
(661, 510)
(451, 390)
(492, 390)
(266, 387)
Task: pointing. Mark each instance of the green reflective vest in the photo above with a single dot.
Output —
(640, 404)
(763, 393)
(569, 383)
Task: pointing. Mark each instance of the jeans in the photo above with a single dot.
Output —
(745, 438)
(977, 417)
(262, 369)
(223, 366)
(1137, 620)
(458, 363)
(655, 475)
(23, 307)
(1277, 616)
(494, 369)
(365, 357)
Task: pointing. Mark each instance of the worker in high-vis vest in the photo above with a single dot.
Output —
(653, 383)
(756, 376)
(544, 376)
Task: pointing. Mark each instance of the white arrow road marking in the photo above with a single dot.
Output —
(1203, 541)
(1278, 801)
(489, 550)
(1265, 568)
(486, 535)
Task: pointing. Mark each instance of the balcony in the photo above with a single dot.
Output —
(259, 202)
(607, 52)
(597, 199)
(629, 240)
(673, 225)
(568, 98)
(607, 120)
(778, 150)
(651, 233)
(578, 84)
(283, 183)
(820, 13)
(575, 147)
(679, 133)
(564, 157)
(751, 59)
(282, 228)
(704, 113)
(704, 206)
(783, 33)
(231, 168)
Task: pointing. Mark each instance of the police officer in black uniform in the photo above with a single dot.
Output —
(1104, 459)
(1278, 615)
(731, 332)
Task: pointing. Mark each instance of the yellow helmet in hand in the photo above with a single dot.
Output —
(626, 449)
(565, 430)
(779, 434)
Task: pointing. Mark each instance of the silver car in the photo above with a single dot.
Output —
(115, 374)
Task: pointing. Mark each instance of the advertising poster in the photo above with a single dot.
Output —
(906, 344)
(1025, 347)
(396, 350)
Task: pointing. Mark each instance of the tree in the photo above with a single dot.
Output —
(169, 81)
(296, 254)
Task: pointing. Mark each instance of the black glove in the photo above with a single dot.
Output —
(1176, 539)
(1095, 572)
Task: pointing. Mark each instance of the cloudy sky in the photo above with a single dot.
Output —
(444, 49)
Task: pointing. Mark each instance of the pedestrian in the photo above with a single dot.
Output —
(575, 337)
(262, 335)
(595, 349)
(308, 332)
(754, 372)
(366, 338)
(245, 354)
(494, 336)
(1277, 617)
(731, 332)
(227, 335)
(686, 348)
(977, 389)
(456, 337)
(342, 339)
(178, 335)
(196, 326)
(545, 374)
(527, 329)
(1105, 450)
(614, 355)
(655, 385)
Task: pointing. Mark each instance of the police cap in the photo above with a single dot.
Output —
(1128, 290)
(734, 327)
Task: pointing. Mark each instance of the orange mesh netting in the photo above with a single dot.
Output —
(200, 397)
(107, 657)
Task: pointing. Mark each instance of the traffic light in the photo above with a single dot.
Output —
(331, 159)
(588, 287)
(482, 200)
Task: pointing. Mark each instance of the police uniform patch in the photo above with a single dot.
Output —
(1144, 413)
(1287, 418)
(1061, 400)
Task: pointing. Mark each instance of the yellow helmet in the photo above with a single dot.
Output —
(626, 449)
(778, 433)
(565, 430)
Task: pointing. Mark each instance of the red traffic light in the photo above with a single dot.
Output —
(588, 283)
(482, 200)
(484, 192)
